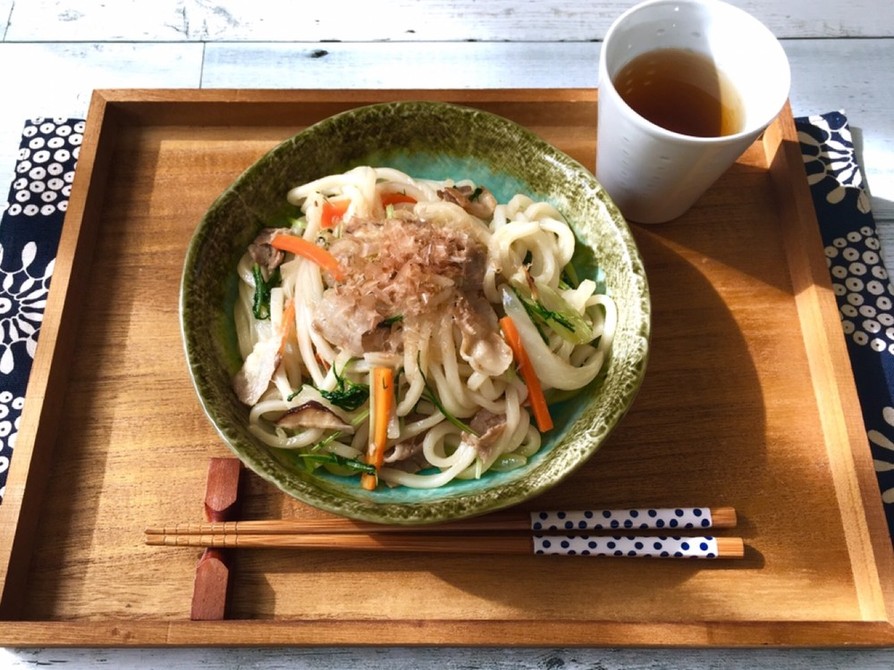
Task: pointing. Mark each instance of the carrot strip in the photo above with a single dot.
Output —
(301, 247)
(383, 402)
(332, 212)
(288, 324)
(396, 198)
(539, 406)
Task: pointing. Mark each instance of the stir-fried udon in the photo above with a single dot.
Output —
(413, 331)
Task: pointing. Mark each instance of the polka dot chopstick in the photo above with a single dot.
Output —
(641, 547)
(570, 533)
(645, 518)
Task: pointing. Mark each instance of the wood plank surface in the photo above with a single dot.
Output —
(433, 21)
(48, 67)
(410, 658)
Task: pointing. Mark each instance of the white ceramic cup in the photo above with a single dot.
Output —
(653, 174)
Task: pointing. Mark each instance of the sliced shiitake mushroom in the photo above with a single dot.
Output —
(313, 414)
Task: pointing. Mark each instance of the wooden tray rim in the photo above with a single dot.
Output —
(112, 109)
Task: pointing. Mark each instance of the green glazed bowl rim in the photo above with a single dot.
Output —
(361, 136)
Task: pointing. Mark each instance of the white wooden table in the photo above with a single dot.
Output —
(53, 53)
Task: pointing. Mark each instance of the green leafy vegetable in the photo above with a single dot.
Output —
(539, 312)
(260, 305)
(569, 276)
(506, 462)
(550, 309)
(329, 439)
(317, 453)
(347, 394)
(429, 395)
(334, 459)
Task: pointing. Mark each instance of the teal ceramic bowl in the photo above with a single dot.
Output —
(437, 141)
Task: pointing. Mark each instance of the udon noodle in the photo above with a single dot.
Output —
(413, 331)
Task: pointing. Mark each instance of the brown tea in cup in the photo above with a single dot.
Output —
(681, 91)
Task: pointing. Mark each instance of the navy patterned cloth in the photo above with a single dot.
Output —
(29, 234)
(32, 221)
(859, 278)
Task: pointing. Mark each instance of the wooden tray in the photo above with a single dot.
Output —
(748, 401)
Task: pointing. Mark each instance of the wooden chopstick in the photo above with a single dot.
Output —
(509, 532)
(706, 547)
(670, 519)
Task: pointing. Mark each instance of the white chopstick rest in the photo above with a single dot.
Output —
(655, 518)
(634, 547)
